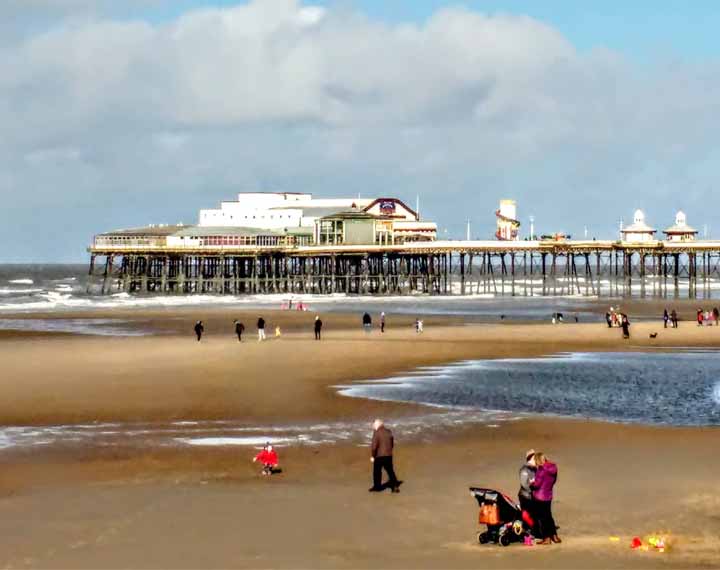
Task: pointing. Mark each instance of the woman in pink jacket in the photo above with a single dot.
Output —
(542, 486)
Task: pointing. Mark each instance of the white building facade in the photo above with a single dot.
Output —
(638, 231)
(275, 210)
(680, 231)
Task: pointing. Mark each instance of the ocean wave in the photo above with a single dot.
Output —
(231, 433)
(23, 281)
(10, 291)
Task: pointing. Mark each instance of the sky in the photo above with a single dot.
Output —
(117, 115)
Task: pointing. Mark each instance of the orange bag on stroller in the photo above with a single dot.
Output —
(489, 514)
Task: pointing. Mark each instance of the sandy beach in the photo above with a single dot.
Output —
(198, 507)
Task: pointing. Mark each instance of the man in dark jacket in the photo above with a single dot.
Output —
(239, 329)
(199, 328)
(261, 329)
(382, 458)
(318, 327)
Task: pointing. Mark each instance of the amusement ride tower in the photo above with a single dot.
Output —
(508, 225)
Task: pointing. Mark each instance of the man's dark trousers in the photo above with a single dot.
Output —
(386, 463)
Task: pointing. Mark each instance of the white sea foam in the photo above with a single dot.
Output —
(223, 441)
(11, 291)
(23, 281)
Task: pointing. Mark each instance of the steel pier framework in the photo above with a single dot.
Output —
(433, 268)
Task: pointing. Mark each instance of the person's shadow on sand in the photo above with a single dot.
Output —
(387, 485)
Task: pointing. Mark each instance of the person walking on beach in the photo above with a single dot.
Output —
(381, 456)
(199, 329)
(716, 315)
(261, 329)
(543, 485)
(666, 318)
(382, 322)
(700, 317)
(367, 322)
(608, 319)
(318, 327)
(625, 324)
(527, 476)
(418, 326)
(674, 318)
(239, 329)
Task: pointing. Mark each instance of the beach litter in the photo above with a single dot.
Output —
(657, 543)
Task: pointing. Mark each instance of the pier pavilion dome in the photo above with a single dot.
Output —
(680, 231)
(639, 230)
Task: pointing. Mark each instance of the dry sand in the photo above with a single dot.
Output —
(198, 508)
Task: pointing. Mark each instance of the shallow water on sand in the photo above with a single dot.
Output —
(677, 388)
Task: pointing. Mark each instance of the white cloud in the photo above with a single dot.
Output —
(464, 108)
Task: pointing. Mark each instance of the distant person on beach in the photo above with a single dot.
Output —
(666, 318)
(700, 317)
(608, 319)
(625, 324)
(674, 318)
(261, 329)
(318, 327)
(418, 326)
(542, 486)
(381, 456)
(199, 329)
(269, 459)
(382, 322)
(716, 315)
(527, 476)
(367, 322)
(278, 332)
(239, 329)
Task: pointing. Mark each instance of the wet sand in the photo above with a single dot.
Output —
(208, 507)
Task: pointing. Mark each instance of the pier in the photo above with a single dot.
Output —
(515, 268)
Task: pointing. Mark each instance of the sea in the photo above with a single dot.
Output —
(28, 289)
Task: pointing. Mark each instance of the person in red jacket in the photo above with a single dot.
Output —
(269, 459)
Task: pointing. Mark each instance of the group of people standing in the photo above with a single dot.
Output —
(239, 327)
(615, 318)
(367, 323)
(708, 317)
(538, 476)
(671, 318)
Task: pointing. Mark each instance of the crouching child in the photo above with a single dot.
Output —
(269, 459)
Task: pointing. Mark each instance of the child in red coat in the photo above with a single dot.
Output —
(269, 459)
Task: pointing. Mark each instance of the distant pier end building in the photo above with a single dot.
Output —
(680, 231)
(508, 226)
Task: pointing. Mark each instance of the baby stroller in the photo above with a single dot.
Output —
(506, 522)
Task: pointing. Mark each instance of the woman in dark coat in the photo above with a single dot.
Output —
(625, 326)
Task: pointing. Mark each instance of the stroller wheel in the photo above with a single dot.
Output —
(483, 538)
(505, 539)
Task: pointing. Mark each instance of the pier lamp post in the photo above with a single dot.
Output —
(532, 227)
